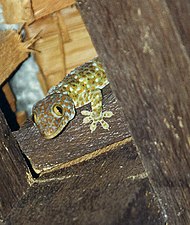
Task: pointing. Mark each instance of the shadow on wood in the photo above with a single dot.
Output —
(86, 178)
(141, 43)
(15, 177)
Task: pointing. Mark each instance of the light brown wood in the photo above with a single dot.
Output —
(16, 11)
(21, 117)
(13, 52)
(10, 96)
(63, 44)
(80, 49)
(43, 8)
(63, 28)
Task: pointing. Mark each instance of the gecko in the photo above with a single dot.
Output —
(80, 87)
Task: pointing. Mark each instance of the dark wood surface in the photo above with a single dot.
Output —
(99, 178)
(180, 15)
(13, 170)
(144, 46)
(76, 142)
(99, 191)
(93, 178)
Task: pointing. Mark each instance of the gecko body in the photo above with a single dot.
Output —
(81, 86)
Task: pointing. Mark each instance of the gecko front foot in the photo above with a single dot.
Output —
(91, 116)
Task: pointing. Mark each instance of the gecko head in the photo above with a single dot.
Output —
(52, 113)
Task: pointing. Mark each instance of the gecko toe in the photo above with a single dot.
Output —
(87, 119)
(86, 113)
(93, 126)
(104, 124)
(107, 114)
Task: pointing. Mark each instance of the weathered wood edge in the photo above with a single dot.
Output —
(13, 52)
(15, 176)
(140, 47)
(76, 143)
(107, 161)
(108, 189)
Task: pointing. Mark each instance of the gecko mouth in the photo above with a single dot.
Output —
(53, 134)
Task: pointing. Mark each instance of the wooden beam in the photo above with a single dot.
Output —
(87, 178)
(181, 9)
(15, 177)
(13, 52)
(81, 145)
(16, 11)
(103, 190)
(43, 8)
(143, 49)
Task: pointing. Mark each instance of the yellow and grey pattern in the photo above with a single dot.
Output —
(81, 86)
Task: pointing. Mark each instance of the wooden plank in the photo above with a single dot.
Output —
(7, 111)
(80, 49)
(13, 52)
(63, 44)
(182, 9)
(10, 96)
(86, 178)
(16, 11)
(15, 176)
(104, 190)
(21, 117)
(50, 52)
(43, 8)
(79, 142)
(148, 67)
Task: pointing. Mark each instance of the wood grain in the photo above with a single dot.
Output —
(98, 191)
(16, 11)
(10, 96)
(142, 46)
(13, 170)
(42, 8)
(75, 141)
(86, 178)
(180, 15)
(13, 52)
(63, 44)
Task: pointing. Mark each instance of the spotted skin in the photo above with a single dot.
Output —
(80, 87)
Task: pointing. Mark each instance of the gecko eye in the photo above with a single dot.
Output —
(34, 118)
(58, 110)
